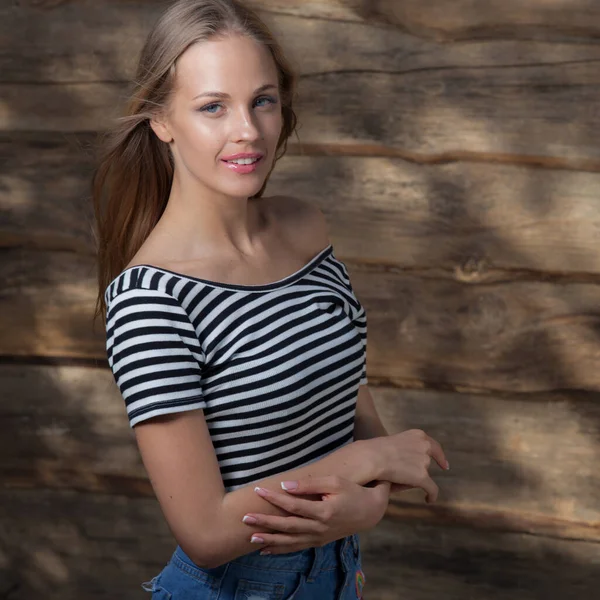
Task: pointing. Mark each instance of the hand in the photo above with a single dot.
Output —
(345, 508)
(406, 457)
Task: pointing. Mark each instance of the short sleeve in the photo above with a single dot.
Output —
(154, 354)
(360, 322)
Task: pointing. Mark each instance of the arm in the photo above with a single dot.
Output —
(176, 447)
(179, 457)
(367, 424)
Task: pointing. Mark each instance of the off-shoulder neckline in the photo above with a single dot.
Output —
(288, 279)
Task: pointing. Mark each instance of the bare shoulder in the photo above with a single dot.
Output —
(302, 219)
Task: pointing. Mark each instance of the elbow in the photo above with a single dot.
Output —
(201, 546)
(200, 554)
(206, 545)
(205, 539)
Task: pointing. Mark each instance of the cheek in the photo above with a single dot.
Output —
(270, 130)
(275, 125)
(200, 137)
(205, 132)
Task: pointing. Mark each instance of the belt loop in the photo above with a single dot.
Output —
(343, 544)
(150, 586)
(316, 564)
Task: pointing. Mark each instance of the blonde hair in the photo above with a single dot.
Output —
(132, 182)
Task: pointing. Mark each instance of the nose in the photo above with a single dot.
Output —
(245, 126)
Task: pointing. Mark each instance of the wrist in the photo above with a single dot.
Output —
(370, 449)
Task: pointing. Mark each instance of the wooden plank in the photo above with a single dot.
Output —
(69, 40)
(425, 562)
(76, 42)
(47, 305)
(53, 41)
(517, 463)
(69, 431)
(430, 117)
(430, 101)
(69, 546)
(461, 19)
(45, 191)
(470, 222)
(69, 420)
(457, 114)
(518, 336)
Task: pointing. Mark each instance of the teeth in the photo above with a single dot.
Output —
(244, 161)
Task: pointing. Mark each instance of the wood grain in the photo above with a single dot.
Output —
(510, 336)
(511, 457)
(71, 545)
(70, 40)
(418, 561)
(469, 222)
(70, 420)
(47, 305)
(454, 148)
(68, 546)
(514, 461)
(91, 41)
(518, 336)
(522, 102)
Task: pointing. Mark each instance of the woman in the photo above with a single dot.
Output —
(233, 332)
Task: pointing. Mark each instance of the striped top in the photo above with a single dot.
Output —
(275, 367)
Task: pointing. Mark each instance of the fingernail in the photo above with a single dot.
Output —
(261, 491)
(447, 466)
(265, 552)
(250, 519)
(289, 485)
(256, 540)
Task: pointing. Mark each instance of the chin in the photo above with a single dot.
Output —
(247, 188)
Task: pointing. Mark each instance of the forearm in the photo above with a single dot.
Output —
(230, 537)
(367, 427)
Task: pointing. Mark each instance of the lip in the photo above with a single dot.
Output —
(243, 169)
(243, 155)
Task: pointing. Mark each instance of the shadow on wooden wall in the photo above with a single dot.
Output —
(455, 149)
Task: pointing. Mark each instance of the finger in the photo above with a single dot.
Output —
(282, 550)
(279, 543)
(431, 489)
(401, 487)
(286, 524)
(382, 491)
(315, 485)
(437, 453)
(292, 504)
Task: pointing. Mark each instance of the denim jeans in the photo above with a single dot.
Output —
(330, 572)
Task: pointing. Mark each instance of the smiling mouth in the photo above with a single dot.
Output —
(244, 161)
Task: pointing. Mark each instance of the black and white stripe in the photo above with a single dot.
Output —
(275, 367)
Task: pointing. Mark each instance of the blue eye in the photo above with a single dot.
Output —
(269, 98)
(206, 108)
(216, 104)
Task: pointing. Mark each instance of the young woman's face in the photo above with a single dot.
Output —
(207, 128)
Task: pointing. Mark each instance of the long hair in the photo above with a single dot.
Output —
(132, 182)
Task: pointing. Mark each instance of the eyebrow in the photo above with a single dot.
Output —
(262, 88)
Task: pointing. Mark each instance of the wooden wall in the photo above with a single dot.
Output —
(455, 148)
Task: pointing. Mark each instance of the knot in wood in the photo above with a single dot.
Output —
(472, 269)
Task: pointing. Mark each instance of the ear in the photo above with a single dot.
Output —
(161, 129)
